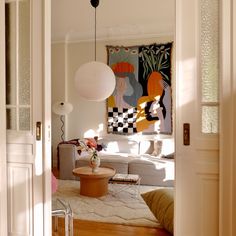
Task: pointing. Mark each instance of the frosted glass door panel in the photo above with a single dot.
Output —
(24, 118)
(11, 118)
(18, 65)
(24, 53)
(210, 119)
(210, 50)
(10, 11)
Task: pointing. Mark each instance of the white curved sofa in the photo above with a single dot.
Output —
(126, 157)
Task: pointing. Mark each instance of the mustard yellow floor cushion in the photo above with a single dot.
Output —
(161, 203)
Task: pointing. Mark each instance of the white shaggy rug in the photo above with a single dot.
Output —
(120, 208)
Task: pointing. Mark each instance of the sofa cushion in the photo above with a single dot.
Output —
(154, 171)
(157, 148)
(161, 204)
(120, 146)
(160, 148)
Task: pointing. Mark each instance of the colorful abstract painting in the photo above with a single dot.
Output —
(142, 100)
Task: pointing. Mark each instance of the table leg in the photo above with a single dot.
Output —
(93, 187)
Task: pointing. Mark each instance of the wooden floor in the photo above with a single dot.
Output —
(89, 228)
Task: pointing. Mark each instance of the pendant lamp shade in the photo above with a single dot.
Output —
(95, 81)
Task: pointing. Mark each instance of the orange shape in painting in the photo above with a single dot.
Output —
(154, 86)
(155, 90)
(123, 66)
(118, 69)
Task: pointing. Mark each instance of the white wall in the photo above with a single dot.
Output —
(58, 64)
(86, 115)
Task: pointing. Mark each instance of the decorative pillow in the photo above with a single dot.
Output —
(120, 146)
(91, 143)
(88, 143)
(168, 148)
(157, 146)
(161, 204)
(146, 147)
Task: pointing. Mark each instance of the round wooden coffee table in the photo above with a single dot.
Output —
(94, 184)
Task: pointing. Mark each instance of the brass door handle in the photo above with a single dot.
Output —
(186, 134)
(38, 130)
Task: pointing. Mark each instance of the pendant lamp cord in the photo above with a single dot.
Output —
(95, 35)
(95, 3)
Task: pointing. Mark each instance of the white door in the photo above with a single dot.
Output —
(27, 76)
(197, 105)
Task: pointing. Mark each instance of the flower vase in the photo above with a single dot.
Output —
(94, 162)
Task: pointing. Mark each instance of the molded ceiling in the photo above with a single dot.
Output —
(73, 20)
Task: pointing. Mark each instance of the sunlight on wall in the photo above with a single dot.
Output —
(92, 133)
(100, 129)
(137, 137)
(187, 73)
(113, 146)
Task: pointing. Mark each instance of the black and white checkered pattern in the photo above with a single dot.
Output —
(122, 120)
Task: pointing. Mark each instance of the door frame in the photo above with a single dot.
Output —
(46, 120)
(227, 147)
(47, 166)
(227, 124)
(3, 166)
(227, 162)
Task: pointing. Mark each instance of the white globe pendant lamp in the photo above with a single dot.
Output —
(95, 81)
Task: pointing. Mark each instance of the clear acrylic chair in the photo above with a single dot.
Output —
(65, 211)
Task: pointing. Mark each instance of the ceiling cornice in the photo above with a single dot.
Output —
(115, 33)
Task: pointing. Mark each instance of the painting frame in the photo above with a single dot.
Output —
(142, 99)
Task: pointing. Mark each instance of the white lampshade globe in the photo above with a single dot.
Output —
(95, 81)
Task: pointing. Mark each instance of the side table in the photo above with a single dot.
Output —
(94, 184)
